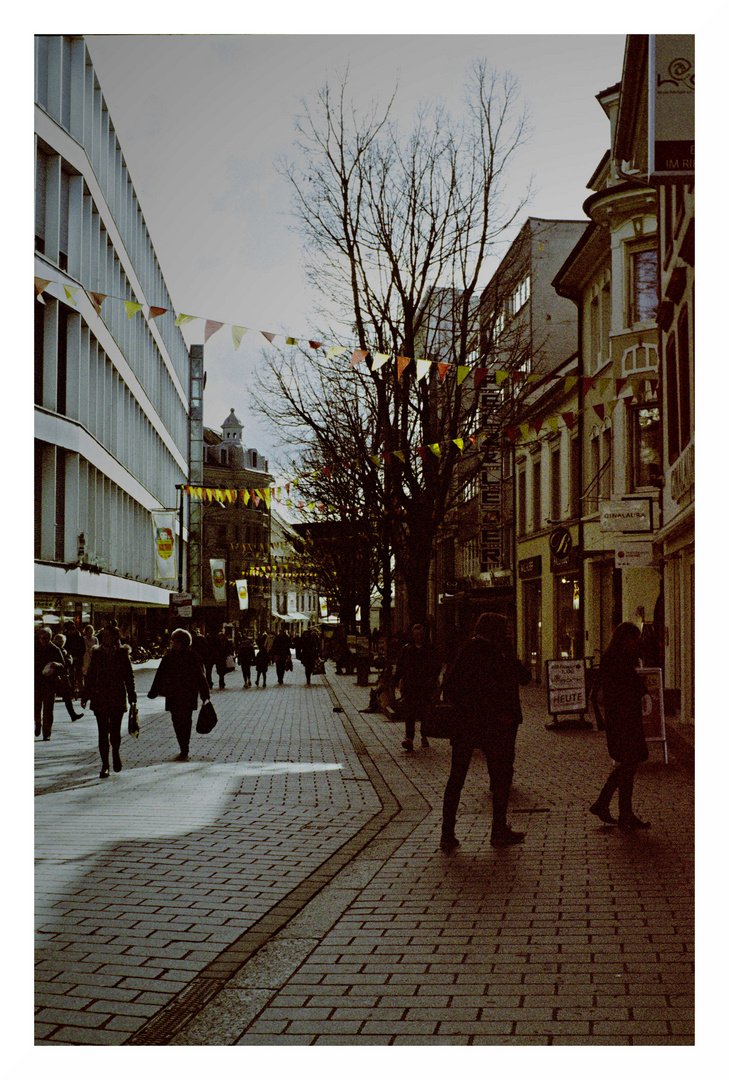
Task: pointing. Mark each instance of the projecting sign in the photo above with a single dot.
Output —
(634, 554)
(566, 686)
(629, 515)
(671, 105)
(181, 605)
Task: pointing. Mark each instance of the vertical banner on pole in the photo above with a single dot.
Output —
(217, 570)
(323, 607)
(163, 529)
(242, 590)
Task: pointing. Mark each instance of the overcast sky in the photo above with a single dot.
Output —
(202, 120)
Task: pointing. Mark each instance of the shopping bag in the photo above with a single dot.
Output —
(133, 722)
(206, 718)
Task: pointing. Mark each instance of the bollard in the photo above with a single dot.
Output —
(363, 669)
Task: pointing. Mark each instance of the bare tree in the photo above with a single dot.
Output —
(397, 229)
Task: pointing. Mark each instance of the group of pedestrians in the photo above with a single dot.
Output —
(481, 685)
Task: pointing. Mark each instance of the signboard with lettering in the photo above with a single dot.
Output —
(560, 549)
(530, 567)
(628, 515)
(671, 105)
(566, 686)
(634, 554)
(181, 605)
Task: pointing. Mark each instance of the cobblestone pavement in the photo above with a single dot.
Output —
(285, 886)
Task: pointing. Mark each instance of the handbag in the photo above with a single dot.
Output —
(133, 722)
(206, 718)
(289, 664)
(230, 663)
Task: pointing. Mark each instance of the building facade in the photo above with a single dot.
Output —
(111, 393)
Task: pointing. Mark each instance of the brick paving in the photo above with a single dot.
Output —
(285, 886)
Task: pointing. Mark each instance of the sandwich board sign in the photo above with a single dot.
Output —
(654, 719)
(566, 686)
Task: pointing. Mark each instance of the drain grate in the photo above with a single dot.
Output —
(165, 1024)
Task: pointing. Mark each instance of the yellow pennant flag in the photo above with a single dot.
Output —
(183, 319)
(421, 369)
(570, 381)
(501, 376)
(246, 496)
(524, 429)
(376, 460)
(602, 385)
(336, 350)
(553, 423)
(238, 332)
(132, 307)
(459, 444)
(267, 497)
(399, 454)
(463, 370)
(379, 359)
(70, 294)
(292, 341)
(435, 447)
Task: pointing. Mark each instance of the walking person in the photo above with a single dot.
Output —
(246, 659)
(261, 661)
(109, 683)
(622, 690)
(91, 642)
(308, 653)
(281, 654)
(483, 684)
(416, 676)
(63, 678)
(225, 651)
(180, 678)
(47, 660)
(75, 649)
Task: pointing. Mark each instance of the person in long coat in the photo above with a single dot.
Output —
(180, 678)
(623, 690)
(64, 684)
(225, 649)
(246, 659)
(280, 653)
(416, 676)
(109, 683)
(483, 685)
(308, 653)
(48, 658)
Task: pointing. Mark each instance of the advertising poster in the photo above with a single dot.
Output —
(566, 686)
(163, 529)
(217, 570)
(242, 590)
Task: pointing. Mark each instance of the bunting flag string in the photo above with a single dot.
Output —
(423, 366)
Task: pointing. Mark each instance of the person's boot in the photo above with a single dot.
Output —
(407, 744)
(599, 809)
(116, 760)
(449, 842)
(104, 770)
(70, 709)
(503, 836)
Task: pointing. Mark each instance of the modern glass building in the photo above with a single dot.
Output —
(112, 371)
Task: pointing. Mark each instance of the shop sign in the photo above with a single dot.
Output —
(560, 550)
(639, 554)
(181, 605)
(671, 105)
(627, 516)
(682, 475)
(530, 567)
(566, 686)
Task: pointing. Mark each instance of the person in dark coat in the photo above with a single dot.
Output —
(75, 649)
(246, 659)
(209, 655)
(280, 653)
(416, 677)
(108, 684)
(261, 660)
(63, 678)
(622, 690)
(308, 653)
(225, 649)
(483, 684)
(47, 660)
(180, 677)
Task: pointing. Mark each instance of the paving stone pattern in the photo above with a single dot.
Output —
(154, 887)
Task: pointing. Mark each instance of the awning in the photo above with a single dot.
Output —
(290, 618)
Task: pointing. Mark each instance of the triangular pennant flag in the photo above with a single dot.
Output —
(399, 454)
(479, 375)
(619, 384)
(501, 376)
(602, 385)
(358, 356)
(132, 307)
(420, 451)
(292, 341)
(184, 318)
(610, 406)
(535, 377)
(268, 336)
(97, 299)
(537, 425)
(335, 350)
(155, 312)
(443, 370)
(511, 434)
(315, 344)
(463, 370)
(421, 369)
(246, 496)
(553, 423)
(70, 294)
(569, 419)
(238, 332)
(256, 498)
(211, 327)
(40, 285)
(570, 381)
(375, 458)
(379, 359)
(459, 444)
(435, 447)
(267, 497)
(402, 363)
(524, 429)
(588, 381)
(600, 411)
(387, 457)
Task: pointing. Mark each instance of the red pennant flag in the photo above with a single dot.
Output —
(211, 327)
(422, 451)
(97, 299)
(472, 438)
(518, 376)
(442, 370)
(536, 424)
(600, 410)
(402, 363)
(315, 344)
(588, 381)
(387, 457)
(155, 312)
(327, 471)
(479, 374)
(569, 419)
(358, 356)
(619, 384)
(511, 434)
(268, 337)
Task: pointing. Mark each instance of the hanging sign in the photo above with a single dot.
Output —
(628, 515)
(217, 570)
(634, 555)
(242, 590)
(566, 686)
(323, 612)
(163, 529)
(181, 605)
(671, 105)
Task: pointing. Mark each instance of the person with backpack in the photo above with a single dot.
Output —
(483, 685)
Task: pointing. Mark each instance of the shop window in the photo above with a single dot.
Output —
(567, 599)
(643, 286)
(646, 446)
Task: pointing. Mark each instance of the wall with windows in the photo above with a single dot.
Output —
(111, 392)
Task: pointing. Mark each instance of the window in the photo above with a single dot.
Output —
(605, 321)
(646, 443)
(643, 286)
(594, 461)
(606, 476)
(536, 494)
(521, 501)
(575, 508)
(594, 332)
(555, 508)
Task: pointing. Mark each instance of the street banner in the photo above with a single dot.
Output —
(323, 612)
(566, 686)
(242, 590)
(217, 570)
(163, 530)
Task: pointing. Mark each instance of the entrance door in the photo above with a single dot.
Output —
(532, 591)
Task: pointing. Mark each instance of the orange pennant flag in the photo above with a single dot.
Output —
(268, 337)
(358, 356)
(402, 363)
(442, 370)
(97, 299)
(40, 285)
(211, 327)
(155, 312)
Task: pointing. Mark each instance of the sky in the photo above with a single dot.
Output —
(203, 119)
